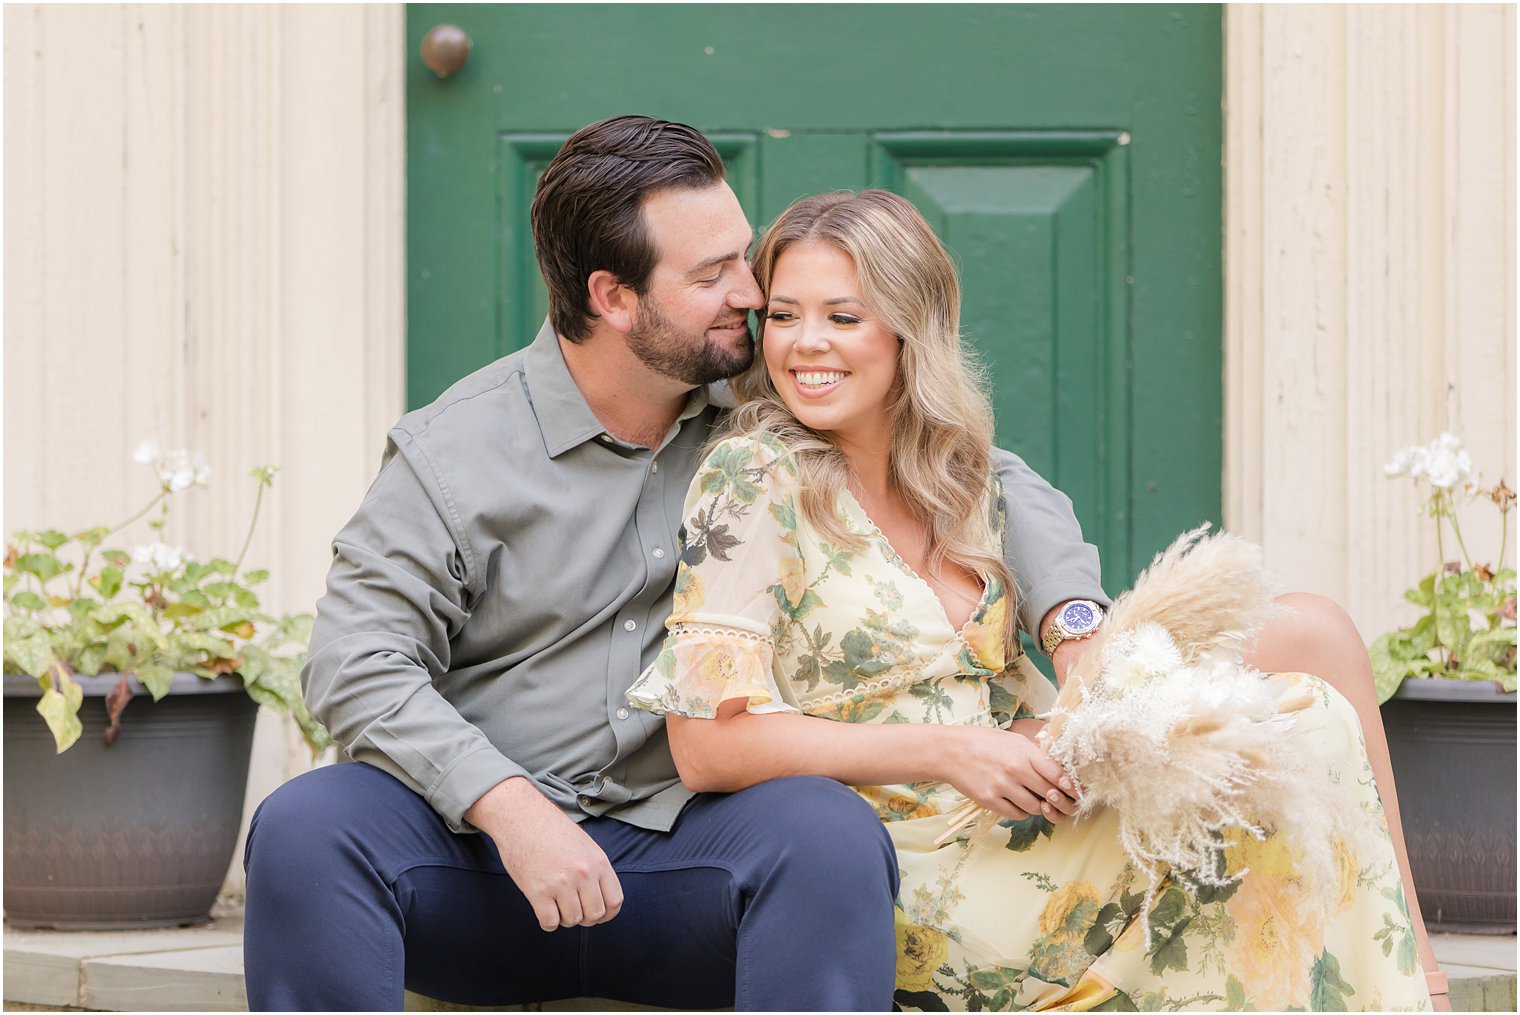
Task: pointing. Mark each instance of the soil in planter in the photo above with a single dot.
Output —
(136, 835)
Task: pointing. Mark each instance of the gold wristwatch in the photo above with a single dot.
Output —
(1078, 619)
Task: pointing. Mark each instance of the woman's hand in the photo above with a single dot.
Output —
(1007, 772)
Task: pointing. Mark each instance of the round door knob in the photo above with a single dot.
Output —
(445, 49)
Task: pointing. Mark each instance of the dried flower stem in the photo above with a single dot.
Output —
(248, 540)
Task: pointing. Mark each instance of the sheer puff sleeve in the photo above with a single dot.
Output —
(739, 564)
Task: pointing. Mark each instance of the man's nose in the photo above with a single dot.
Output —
(746, 293)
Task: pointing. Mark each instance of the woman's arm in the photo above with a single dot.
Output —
(1003, 770)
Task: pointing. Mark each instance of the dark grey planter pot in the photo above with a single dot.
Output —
(1453, 749)
(131, 836)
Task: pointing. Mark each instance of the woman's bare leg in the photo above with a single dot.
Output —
(1319, 637)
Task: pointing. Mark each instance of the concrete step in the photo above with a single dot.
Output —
(201, 969)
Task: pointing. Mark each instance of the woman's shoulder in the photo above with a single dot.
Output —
(750, 451)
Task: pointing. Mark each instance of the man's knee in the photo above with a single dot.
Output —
(318, 814)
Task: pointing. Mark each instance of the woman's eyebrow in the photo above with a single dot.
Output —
(785, 299)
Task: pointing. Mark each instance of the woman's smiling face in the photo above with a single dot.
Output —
(833, 363)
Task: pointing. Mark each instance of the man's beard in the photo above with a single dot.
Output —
(690, 359)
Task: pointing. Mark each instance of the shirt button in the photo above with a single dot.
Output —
(629, 625)
(654, 467)
(622, 713)
(583, 800)
(607, 438)
(659, 552)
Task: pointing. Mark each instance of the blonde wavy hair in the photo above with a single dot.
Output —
(941, 419)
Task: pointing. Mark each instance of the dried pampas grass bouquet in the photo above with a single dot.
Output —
(1161, 721)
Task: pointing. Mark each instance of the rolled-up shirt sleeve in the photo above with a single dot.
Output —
(1043, 544)
(402, 579)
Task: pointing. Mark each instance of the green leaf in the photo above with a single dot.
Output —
(220, 617)
(26, 599)
(1100, 937)
(61, 720)
(43, 565)
(1024, 834)
(156, 677)
(1327, 990)
(1235, 994)
(193, 642)
(255, 577)
(107, 582)
(922, 1000)
(181, 610)
(91, 658)
(1492, 644)
(221, 565)
(222, 589)
(52, 539)
(1167, 910)
(1171, 952)
(92, 538)
(1423, 594)
(27, 647)
(1119, 1002)
(117, 558)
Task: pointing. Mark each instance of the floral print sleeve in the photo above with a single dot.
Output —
(739, 565)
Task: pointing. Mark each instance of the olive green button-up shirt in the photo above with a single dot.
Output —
(508, 575)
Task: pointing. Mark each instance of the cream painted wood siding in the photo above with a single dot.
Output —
(204, 245)
(1370, 281)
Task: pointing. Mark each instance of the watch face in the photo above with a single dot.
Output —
(1079, 618)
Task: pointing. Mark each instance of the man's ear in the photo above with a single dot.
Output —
(612, 301)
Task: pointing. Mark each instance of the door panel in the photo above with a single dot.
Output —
(1067, 156)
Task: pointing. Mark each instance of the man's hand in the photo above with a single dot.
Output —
(562, 872)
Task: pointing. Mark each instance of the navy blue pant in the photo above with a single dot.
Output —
(776, 898)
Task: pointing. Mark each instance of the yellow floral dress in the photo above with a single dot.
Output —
(1029, 915)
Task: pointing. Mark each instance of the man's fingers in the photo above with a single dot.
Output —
(569, 908)
(593, 905)
(612, 894)
(547, 913)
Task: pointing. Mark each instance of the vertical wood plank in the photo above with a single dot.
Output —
(1480, 346)
(27, 471)
(1243, 267)
(1304, 296)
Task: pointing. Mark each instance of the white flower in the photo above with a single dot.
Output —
(182, 470)
(1137, 656)
(161, 556)
(177, 470)
(147, 453)
(1404, 461)
(1447, 463)
(1443, 463)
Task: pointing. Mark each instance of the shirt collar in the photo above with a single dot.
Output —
(564, 418)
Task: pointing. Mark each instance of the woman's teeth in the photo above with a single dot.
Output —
(818, 378)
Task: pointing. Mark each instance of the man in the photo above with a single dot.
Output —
(504, 581)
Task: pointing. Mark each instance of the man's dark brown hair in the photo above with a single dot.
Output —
(587, 211)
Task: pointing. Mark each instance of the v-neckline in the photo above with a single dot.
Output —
(896, 560)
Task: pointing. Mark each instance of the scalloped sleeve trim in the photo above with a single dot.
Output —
(701, 667)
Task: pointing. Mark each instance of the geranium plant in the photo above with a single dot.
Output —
(1467, 629)
(77, 608)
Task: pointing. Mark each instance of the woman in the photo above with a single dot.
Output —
(843, 562)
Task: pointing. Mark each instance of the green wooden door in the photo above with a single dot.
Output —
(1069, 156)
